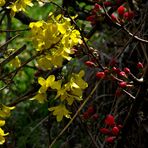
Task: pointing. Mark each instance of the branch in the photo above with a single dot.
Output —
(13, 55)
(24, 18)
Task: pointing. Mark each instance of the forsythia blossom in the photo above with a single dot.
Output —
(69, 92)
(55, 38)
(73, 89)
(45, 84)
(66, 92)
(19, 5)
(4, 112)
(60, 111)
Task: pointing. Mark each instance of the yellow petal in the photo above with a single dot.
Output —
(2, 122)
(50, 80)
(2, 140)
(41, 81)
(40, 97)
(2, 132)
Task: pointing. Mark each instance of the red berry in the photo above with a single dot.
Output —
(90, 110)
(107, 3)
(104, 131)
(106, 71)
(126, 70)
(89, 64)
(122, 73)
(115, 130)
(97, 7)
(121, 10)
(86, 115)
(114, 18)
(128, 15)
(91, 18)
(100, 75)
(114, 69)
(117, 70)
(95, 117)
(109, 120)
(139, 65)
(110, 139)
(122, 84)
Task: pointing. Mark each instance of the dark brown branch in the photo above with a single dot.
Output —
(24, 18)
(13, 55)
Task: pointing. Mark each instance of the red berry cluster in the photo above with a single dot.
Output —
(113, 72)
(112, 129)
(90, 114)
(96, 13)
(124, 15)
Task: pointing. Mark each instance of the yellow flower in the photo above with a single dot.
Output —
(60, 111)
(49, 82)
(41, 96)
(20, 5)
(56, 37)
(2, 3)
(2, 139)
(5, 111)
(77, 81)
(44, 63)
(73, 90)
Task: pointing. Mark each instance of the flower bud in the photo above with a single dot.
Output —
(100, 75)
(110, 139)
(90, 110)
(95, 117)
(139, 65)
(122, 84)
(128, 15)
(107, 3)
(114, 18)
(89, 64)
(104, 131)
(115, 130)
(109, 120)
(126, 70)
(121, 10)
(122, 74)
(86, 115)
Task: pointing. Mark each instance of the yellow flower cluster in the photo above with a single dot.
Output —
(19, 5)
(55, 39)
(4, 113)
(69, 92)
